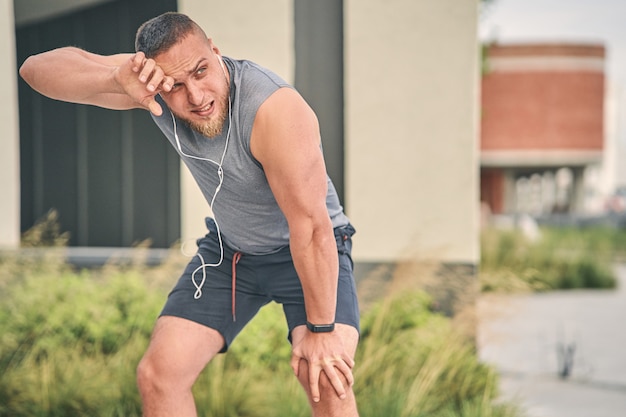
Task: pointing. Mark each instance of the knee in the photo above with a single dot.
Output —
(145, 373)
(150, 377)
(326, 388)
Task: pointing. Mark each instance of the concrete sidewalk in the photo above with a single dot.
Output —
(525, 337)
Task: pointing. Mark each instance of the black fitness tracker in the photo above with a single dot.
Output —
(320, 328)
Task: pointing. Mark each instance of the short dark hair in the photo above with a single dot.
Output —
(162, 32)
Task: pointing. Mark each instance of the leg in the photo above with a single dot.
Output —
(330, 405)
(177, 353)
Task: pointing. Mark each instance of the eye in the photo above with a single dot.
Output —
(200, 71)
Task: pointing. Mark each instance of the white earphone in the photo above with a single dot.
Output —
(219, 58)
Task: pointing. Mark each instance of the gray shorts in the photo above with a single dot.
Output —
(259, 280)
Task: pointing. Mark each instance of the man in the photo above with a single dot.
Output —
(278, 233)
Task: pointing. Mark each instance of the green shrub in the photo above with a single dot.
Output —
(560, 259)
(70, 342)
(414, 363)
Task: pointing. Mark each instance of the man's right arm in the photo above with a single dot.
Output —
(113, 81)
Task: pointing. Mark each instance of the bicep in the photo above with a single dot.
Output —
(114, 60)
(286, 141)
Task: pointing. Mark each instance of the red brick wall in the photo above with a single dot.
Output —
(537, 110)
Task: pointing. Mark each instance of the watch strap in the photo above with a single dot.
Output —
(320, 328)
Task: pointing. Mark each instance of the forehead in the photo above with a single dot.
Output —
(184, 56)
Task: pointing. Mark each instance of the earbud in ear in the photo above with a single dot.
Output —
(221, 61)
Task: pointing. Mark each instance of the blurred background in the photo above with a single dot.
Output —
(553, 151)
(553, 135)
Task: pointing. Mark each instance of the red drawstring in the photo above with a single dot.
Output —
(236, 258)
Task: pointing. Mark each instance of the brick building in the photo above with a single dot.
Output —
(542, 127)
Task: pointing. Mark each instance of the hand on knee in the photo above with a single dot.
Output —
(329, 391)
(330, 404)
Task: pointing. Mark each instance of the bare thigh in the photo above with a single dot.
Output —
(180, 349)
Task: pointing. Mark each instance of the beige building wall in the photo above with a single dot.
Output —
(411, 129)
(259, 31)
(9, 156)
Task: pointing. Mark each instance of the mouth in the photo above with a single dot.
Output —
(205, 110)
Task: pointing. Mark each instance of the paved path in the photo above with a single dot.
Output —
(524, 336)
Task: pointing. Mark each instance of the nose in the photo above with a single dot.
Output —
(194, 94)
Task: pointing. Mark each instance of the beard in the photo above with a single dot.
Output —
(212, 127)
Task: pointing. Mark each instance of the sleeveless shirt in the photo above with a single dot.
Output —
(245, 209)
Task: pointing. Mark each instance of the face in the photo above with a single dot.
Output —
(199, 95)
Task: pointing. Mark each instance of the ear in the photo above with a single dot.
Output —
(213, 47)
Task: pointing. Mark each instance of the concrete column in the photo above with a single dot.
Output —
(578, 191)
(510, 192)
(412, 91)
(10, 156)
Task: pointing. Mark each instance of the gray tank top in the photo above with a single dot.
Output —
(245, 209)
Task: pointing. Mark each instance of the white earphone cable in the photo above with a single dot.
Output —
(220, 175)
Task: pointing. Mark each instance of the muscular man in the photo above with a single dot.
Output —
(278, 233)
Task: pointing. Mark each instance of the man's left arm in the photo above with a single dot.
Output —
(286, 141)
